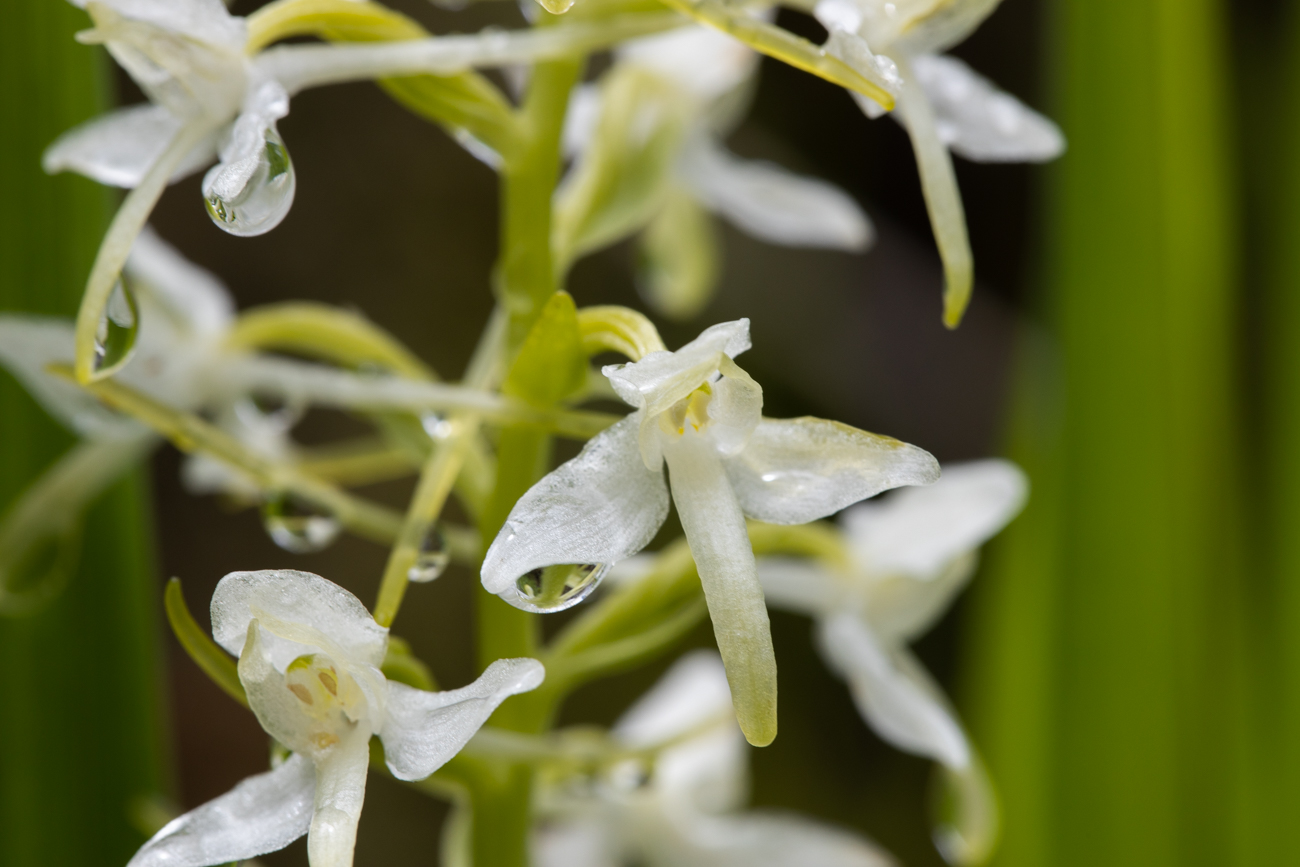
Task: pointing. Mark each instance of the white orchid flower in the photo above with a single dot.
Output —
(309, 656)
(697, 411)
(710, 76)
(943, 104)
(910, 555)
(688, 811)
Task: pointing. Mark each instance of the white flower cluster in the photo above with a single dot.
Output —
(159, 351)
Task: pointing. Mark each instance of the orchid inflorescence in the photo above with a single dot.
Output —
(159, 351)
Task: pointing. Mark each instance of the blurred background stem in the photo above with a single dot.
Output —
(80, 734)
(1104, 681)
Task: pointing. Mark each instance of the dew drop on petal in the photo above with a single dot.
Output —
(556, 7)
(118, 327)
(251, 196)
(432, 559)
(555, 588)
(297, 528)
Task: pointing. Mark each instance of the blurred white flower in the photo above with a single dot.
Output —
(309, 656)
(699, 413)
(910, 555)
(709, 76)
(943, 104)
(687, 811)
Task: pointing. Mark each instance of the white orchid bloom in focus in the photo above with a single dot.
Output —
(309, 656)
(688, 810)
(943, 104)
(699, 413)
(910, 555)
(207, 100)
(708, 77)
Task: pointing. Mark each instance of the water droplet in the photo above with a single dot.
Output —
(436, 425)
(251, 196)
(433, 558)
(298, 528)
(118, 327)
(556, 7)
(555, 588)
(265, 411)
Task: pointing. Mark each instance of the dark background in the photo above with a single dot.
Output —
(394, 219)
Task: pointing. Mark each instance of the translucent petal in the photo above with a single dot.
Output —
(262, 814)
(980, 122)
(797, 470)
(295, 597)
(425, 729)
(736, 408)
(799, 585)
(893, 693)
(190, 294)
(719, 542)
(340, 793)
(659, 380)
(201, 20)
(771, 839)
(601, 507)
(918, 531)
(773, 203)
(703, 61)
(28, 344)
(942, 25)
(117, 148)
(279, 712)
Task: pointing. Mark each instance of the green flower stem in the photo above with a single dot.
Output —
(211, 659)
(780, 45)
(361, 461)
(502, 817)
(190, 433)
(430, 496)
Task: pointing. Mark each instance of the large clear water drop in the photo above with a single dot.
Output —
(296, 527)
(432, 559)
(251, 196)
(554, 588)
(119, 325)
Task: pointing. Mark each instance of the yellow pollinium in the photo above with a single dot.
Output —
(327, 696)
(692, 410)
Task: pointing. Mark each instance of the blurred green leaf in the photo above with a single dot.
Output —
(81, 733)
(551, 364)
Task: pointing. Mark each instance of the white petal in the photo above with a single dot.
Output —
(691, 702)
(659, 380)
(425, 729)
(279, 712)
(601, 507)
(117, 148)
(295, 598)
(969, 831)
(797, 470)
(191, 294)
(917, 531)
(340, 793)
(901, 607)
(702, 61)
(262, 814)
(771, 839)
(979, 121)
(719, 542)
(201, 20)
(28, 344)
(942, 197)
(772, 203)
(578, 843)
(892, 692)
(940, 24)
(691, 694)
(799, 585)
